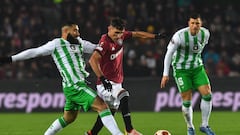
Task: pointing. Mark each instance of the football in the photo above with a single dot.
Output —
(162, 132)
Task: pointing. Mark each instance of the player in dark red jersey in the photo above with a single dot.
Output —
(106, 62)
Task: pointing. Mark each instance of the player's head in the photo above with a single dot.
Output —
(194, 23)
(116, 28)
(70, 28)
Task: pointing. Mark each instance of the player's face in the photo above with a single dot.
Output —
(74, 31)
(194, 25)
(115, 33)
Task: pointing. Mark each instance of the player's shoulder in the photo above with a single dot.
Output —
(205, 30)
(182, 31)
(178, 35)
(56, 40)
(105, 39)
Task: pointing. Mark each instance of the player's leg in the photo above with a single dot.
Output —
(206, 108)
(113, 105)
(203, 85)
(88, 98)
(122, 95)
(106, 116)
(98, 125)
(184, 86)
(70, 112)
(60, 123)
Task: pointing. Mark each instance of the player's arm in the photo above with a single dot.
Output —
(94, 62)
(28, 54)
(88, 47)
(142, 34)
(172, 47)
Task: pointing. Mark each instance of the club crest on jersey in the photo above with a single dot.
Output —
(73, 47)
(120, 41)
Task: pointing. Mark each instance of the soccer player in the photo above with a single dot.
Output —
(184, 52)
(106, 62)
(67, 53)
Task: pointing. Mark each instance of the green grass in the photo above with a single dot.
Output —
(223, 123)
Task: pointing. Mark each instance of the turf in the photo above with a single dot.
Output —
(223, 123)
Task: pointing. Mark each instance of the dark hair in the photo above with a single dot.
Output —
(194, 15)
(117, 23)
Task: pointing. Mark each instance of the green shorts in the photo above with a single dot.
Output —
(79, 96)
(190, 79)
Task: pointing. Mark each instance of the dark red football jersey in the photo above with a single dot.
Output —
(112, 57)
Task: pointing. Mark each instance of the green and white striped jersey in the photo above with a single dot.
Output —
(67, 57)
(184, 50)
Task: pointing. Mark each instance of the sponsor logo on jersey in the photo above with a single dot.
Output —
(114, 56)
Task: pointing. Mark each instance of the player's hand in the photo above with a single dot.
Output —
(5, 60)
(164, 81)
(160, 35)
(71, 39)
(106, 83)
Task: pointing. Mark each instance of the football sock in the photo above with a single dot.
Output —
(109, 122)
(188, 115)
(56, 126)
(206, 108)
(98, 125)
(126, 113)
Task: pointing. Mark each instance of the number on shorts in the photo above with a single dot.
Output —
(180, 81)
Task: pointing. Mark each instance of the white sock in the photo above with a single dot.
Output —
(206, 108)
(188, 115)
(55, 127)
(110, 123)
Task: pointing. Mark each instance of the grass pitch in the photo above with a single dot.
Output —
(223, 123)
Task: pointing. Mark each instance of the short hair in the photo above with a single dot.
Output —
(194, 16)
(117, 23)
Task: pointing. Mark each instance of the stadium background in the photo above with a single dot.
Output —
(34, 86)
(27, 23)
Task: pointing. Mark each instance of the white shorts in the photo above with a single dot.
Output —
(112, 100)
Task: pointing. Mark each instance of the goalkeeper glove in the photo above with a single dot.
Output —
(160, 35)
(106, 83)
(5, 60)
(71, 39)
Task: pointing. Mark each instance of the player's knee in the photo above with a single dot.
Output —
(186, 103)
(123, 94)
(207, 97)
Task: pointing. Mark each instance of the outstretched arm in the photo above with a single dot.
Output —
(29, 53)
(142, 34)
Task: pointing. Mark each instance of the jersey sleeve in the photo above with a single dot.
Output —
(88, 47)
(127, 35)
(43, 50)
(207, 36)
(172, 47)
(102, 47)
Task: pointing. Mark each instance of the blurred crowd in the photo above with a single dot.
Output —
(30, 23)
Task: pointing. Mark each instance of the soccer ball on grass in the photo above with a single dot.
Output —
(162, 132)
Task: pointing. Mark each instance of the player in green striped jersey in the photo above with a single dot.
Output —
(184, 52)
(67, 53)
